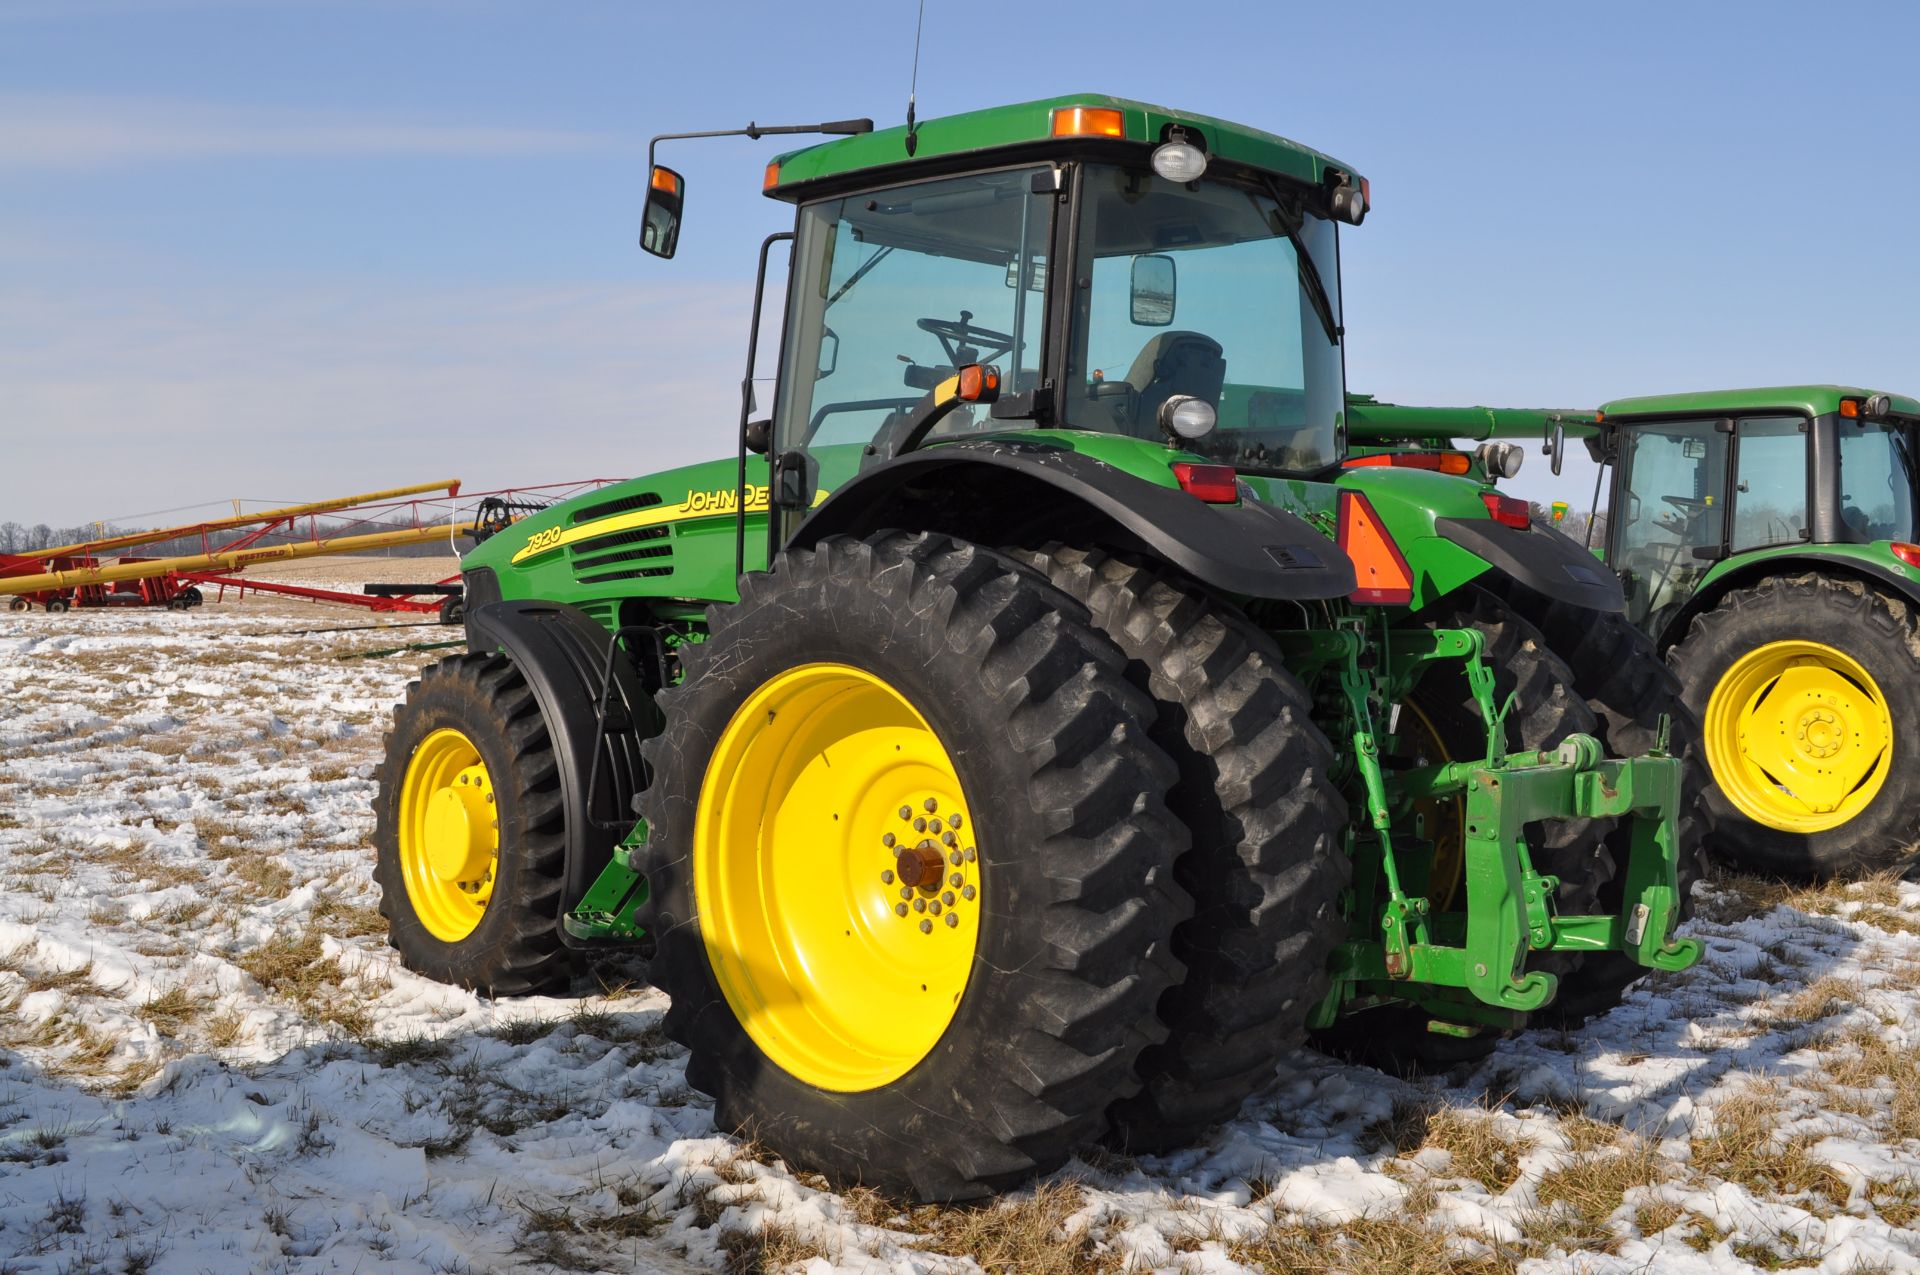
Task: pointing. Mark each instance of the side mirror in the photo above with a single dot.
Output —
(1151, 301)
(1556, 448)
(660, 223)
(759, 436)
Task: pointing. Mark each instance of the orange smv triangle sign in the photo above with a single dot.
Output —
(1381, 574)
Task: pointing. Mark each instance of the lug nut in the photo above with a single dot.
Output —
(934, 907)
(926, 927)
(953, 821)
(932, 805)
(886, 878)
(966, 892)
(919, 825)
(956, 880)
(954, 858)
(947, 898)
(947, 838)
(887, 841)
(906, 812)
(900, 909)
(919, 905)
(906, 892)
(970, 854)
(952, 919)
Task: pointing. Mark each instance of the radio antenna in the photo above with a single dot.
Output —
(913, 139)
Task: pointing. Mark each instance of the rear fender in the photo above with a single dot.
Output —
(564, 656)
(1855, 565)
(1001, 492)
(1442, 526)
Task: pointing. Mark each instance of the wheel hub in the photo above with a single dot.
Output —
(1798, 735)
(461, 829)
(934, 875)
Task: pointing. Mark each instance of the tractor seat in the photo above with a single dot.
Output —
(1174, 363)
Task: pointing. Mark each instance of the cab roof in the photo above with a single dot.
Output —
(1809, 400)
(1030, 124)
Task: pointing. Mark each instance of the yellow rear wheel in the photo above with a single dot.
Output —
(839, 881)
(1799, 735)
(449, 834)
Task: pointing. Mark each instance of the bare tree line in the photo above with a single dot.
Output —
(18, 538)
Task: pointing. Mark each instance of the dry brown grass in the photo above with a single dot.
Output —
(1822, 998)
(1391, 1244)
(1744, 1145)
(1481, 1149)
(1865, 1060)
(1737, 897)
(174, 1009)
(1579, 1198)
(1027, 1234)
(296, 967)
(267, 877)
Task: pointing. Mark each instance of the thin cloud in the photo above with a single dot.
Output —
(93, 133)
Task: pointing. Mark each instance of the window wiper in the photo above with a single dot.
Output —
(858, 275)
(1309, 272)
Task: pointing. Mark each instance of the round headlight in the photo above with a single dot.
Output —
(1187, 416)
(1180, 161)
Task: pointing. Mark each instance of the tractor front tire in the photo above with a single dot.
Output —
(1809, 692)
(1267, 865)
(911, 867)
(469, 831)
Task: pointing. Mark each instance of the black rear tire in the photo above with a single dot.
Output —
(1073, 949)
(1267, 865)
(1880, 633)
(515, 950)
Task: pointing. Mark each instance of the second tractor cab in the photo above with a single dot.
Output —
(1767, 539)
(1034, 730)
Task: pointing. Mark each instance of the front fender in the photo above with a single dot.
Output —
(1864, 563)
(1003, 491)
(562, 653)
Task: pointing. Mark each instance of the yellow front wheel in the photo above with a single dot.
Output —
(1808, 691)
(911, 867)
(469, 835)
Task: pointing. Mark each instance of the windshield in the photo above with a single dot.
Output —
(894, 290)
(1876, 481)
(1199, 289)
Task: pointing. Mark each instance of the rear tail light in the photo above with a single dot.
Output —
(1506, 510)
(1909, 554)
(1215, 484)
(1438, 462)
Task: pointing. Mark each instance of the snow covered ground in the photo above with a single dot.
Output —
(209, 1061)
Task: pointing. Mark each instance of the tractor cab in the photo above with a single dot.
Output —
(1702, 478)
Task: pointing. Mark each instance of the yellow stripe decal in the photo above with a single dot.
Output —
(717, 503)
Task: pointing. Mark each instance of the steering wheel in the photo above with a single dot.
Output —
(959, 338)
(1690, 507)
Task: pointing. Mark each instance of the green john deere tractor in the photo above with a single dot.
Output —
(1033, 731)
(1766, 540)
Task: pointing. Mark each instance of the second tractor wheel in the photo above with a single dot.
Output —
(469, 833)
(1267, 866)
(1809, 693)
(911, 867)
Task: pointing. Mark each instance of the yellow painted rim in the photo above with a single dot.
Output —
(1799, 736)
(824, 784)
(449, 835)
(1445, 817)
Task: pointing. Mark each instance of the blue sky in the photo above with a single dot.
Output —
(281, 250)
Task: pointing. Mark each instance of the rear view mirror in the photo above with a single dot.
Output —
(1556, 448)
(660, 224)
(1153, 291)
